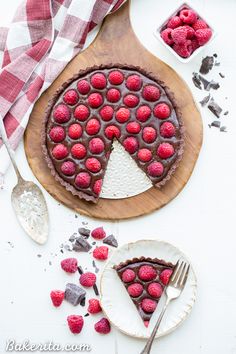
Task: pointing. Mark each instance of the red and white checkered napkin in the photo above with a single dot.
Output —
(43, 37)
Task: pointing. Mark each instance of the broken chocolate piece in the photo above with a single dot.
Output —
(207, 85)
(196, 81)
(82, 303)
(223, 129)
(111, 241)
(74, 294)
(84, 232)
(81, 245)
(205, 100)
(86, 315)
(216, 124)
(222, 75)
(72, 237)
(95, 288)
(95, 267)
(207, 65)
(214, 108)
(226, 113)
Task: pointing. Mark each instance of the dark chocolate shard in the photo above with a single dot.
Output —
(223, 129)
(215, 55)
(226, 113)
(95, 267)
(95, 288)
(216, 124)
(222, 75)
(74, 294)
(207, 85)
(72, 237)
(214, 108)
(207, 65)
(196, 81)
(86, 315)
(205, 100)
(110, 241)
(84, 232)
(82, 302)
(81, 245)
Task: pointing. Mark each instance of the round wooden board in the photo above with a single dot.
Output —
(117, 43)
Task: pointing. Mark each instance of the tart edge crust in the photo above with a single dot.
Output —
(143, 259)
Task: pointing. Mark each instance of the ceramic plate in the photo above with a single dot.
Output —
(117, 304)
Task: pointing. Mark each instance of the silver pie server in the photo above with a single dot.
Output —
(27, 200)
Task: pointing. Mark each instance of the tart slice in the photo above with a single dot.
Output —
(145, 280)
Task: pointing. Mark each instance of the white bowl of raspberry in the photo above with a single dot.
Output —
(185, 33)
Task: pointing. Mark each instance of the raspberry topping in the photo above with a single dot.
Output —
(93, 126)
(97, 187)
(87, 279)
(75, 131)
(61, 114)
(165, 150)
(122, 115)
(57, 134)
(60, 151)
(98, 81)
(149, 305)
(149, 134)
(151, 93)
(134, 82)
(128, 275)
(155, 290)
(83, 180)
(81, 112)
(143, 113)
(155, 169)
(113, 95)
(96, 146)
(83, 87)
(112, 131)
(69, 265)
(147, 273)
(94, 306)
(106, 113)
(166, 35)
(199, 24)
(57, 296)
(203, 35)
(98, 233)
(144, 155)
(71, 97)
(93, 164)
(188, 16)
(162, 111)
(116, 77)
(165, 276)
(131, 100)
(135, 289)
(68, 168)
(101, 253)
(95, 100)
(174, 22)
(75, 323)
(103, 326)
(130, 144)
(78, 151)
(133, 127)
(167, 130)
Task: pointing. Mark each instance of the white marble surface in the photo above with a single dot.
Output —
(200, 221)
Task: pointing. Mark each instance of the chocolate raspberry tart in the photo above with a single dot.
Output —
(145, 280)
(105, 103)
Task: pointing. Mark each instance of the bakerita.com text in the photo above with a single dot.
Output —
(27, 346)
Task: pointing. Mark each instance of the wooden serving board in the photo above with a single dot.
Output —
(117, 43)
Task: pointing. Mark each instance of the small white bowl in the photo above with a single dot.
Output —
(157, 34)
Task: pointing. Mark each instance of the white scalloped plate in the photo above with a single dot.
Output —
(119, 308)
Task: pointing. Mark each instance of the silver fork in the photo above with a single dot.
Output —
(174, 289)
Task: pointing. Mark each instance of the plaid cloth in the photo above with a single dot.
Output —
(43, 37)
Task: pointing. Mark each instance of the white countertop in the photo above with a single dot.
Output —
(200, 221)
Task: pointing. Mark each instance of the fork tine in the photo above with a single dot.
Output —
(176, 272)
(184, 274)
(181, 268)
(185, 277)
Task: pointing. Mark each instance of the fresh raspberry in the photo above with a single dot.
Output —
(147, 272)
(199, 24)
(98, 233)
(151, 93)
(174, 22)
(81, 112)
(69, 265)
(75, 131)
(135, 289)
(149, 305)
(203, 35)
(83, 87)
(122, 115)
(128, 275)
(106, 113)
(165, 150)
(116, 77)
(95, 100)
(78, 151)
(133, 127)
(134, 82)
(75, 323)
(179, 35)
(93, 126)
(87, 279)
(165, 276)
(166, 35)
(96, 146)
(130, 144)
(101, 253)
(194, 44)
(97, 187)
(149, 134)
(61, 113)
(98, 81)
(103, 326)
(143, 113)
(94, 306)
(83, 180)
(155, 290)
(188, 16)
(190, 31)
(144, 155)
(68, 168)
(60, 151)
(131, 100)
(155, 169)
(162, 111)
(57, 134)
(113, 95)
(93, 164)
(183, 50)
(167, 130)
(57, 296)
(112, 131)
(71, 97)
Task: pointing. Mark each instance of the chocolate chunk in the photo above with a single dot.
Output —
(82, 303)
(217, 63)
(94, 243)
(111, 241)
(205, 100)
(226, 113)
(207, 65)
(223, 129)
(80, 270)
(215, 55)
(95, 267)
(84, 232)
(95, 288)
(74, 294)
(72, 237)
(86, 315)
(216, 124)
(207, 85)
(81, 245)
(196, 81)
(214, 108)
(222, 75)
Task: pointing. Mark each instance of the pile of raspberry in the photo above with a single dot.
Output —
(185, 32)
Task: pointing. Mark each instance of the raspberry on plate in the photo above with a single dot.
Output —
(135, 289)
(75, 131)
(143, 113)
(106, 113)
(68, 168)
(61, 113)
(165, 276)
(95, 100)
(98, 81)
(122, 115)
(81, 112)
(144, 155)
(69, 265)
(166, 35)
(93, 164)
(155, 290)
(128, 275)
(174, 22)
(147, 273)
(101, 253)
(162, 111)
(78, 151)
(188, 16)
(151, 93)
(113, 95)
(57, 296)
(71, 97)
(93, 126)
(149, 305)
(75, 323)
(98, 233)
(103, 326)
(179, 35)
(94, 306)
(199, 24)
(97, 187)
(167, 130)
(87, 279)
(133, 127)
(134, 82)
(131, 100)
(203, 35)
(116, 77)
(83, 87)
(165, 150)
(60, 151)
(96, 146)
(112, 132)
(83, 180)
(155, 169)
(57, 134)
(149, 134)
(130, 144)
